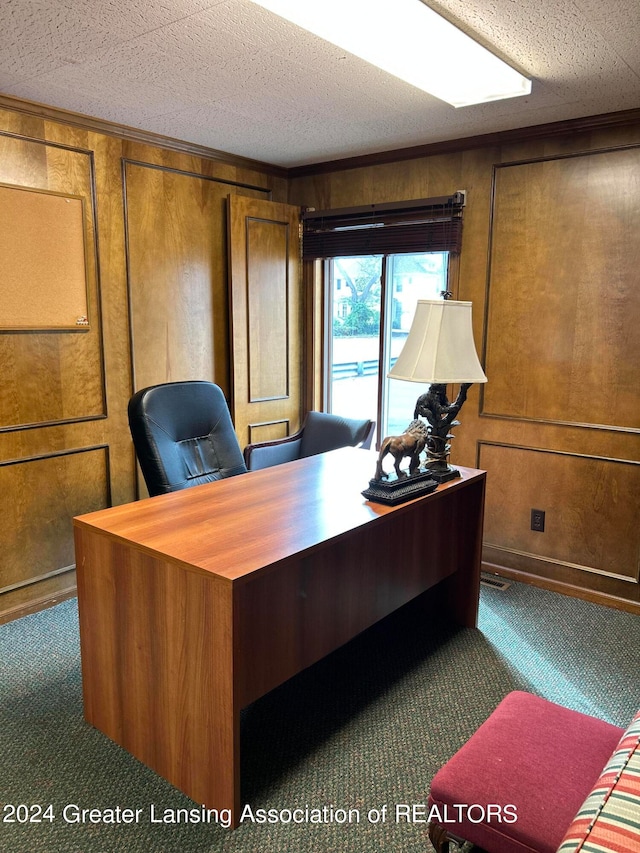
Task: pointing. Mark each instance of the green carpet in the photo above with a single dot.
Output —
(362, 731)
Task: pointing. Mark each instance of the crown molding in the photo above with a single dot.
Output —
(585, 124)
(132, 134)
(449, 146)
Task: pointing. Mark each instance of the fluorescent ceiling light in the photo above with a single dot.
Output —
(410, 41)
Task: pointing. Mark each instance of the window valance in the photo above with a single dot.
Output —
(421, 225)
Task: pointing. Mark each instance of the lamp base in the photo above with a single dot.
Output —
(395, 491)
(443, 474)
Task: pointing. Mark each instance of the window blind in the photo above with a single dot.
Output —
(421, 225)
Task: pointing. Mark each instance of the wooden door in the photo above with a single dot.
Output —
(266, 318)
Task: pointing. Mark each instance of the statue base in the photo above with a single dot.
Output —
(394, 490)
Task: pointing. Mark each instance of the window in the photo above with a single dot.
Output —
(368, 321)
(380, 259)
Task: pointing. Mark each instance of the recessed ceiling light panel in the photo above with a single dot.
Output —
(410, 41)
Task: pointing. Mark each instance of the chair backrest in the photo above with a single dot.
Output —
(183, 436)
(323, 432)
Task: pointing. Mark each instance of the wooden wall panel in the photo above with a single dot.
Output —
(563, 339)
(177, 263)
(268, 309)
(171, 247)
(55, 376)
(590, 506)
(266, 314)
(43, 494)
(269, 431)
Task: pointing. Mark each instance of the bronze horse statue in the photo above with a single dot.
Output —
(411, 443)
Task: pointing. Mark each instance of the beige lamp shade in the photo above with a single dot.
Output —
(440, 347)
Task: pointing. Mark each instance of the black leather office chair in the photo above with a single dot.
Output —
(321, 432)
(183, 436)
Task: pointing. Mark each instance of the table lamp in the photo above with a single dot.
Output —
(439, 350)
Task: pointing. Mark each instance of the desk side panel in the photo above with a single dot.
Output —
(156, 645)
(304, 608)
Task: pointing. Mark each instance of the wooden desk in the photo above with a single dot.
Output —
(196, 603)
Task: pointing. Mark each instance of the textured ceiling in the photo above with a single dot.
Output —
(231, 76)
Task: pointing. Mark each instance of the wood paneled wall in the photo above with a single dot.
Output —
(176, 233)
(158, 306)
(549, 259)
(562, 288)
(266, 319)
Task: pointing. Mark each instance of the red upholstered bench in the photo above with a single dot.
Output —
(518, 783)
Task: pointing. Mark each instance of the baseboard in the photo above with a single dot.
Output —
(563, 588)
(34, 606)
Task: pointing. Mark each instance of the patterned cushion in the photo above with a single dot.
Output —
(609, 820)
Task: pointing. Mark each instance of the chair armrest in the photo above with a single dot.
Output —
(365, 444)
(267, 453)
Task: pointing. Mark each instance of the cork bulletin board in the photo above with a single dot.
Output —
(43, 268)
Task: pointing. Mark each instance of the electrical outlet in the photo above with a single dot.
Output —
(537, 520)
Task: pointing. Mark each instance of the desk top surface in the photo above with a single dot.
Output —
(235, 526)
